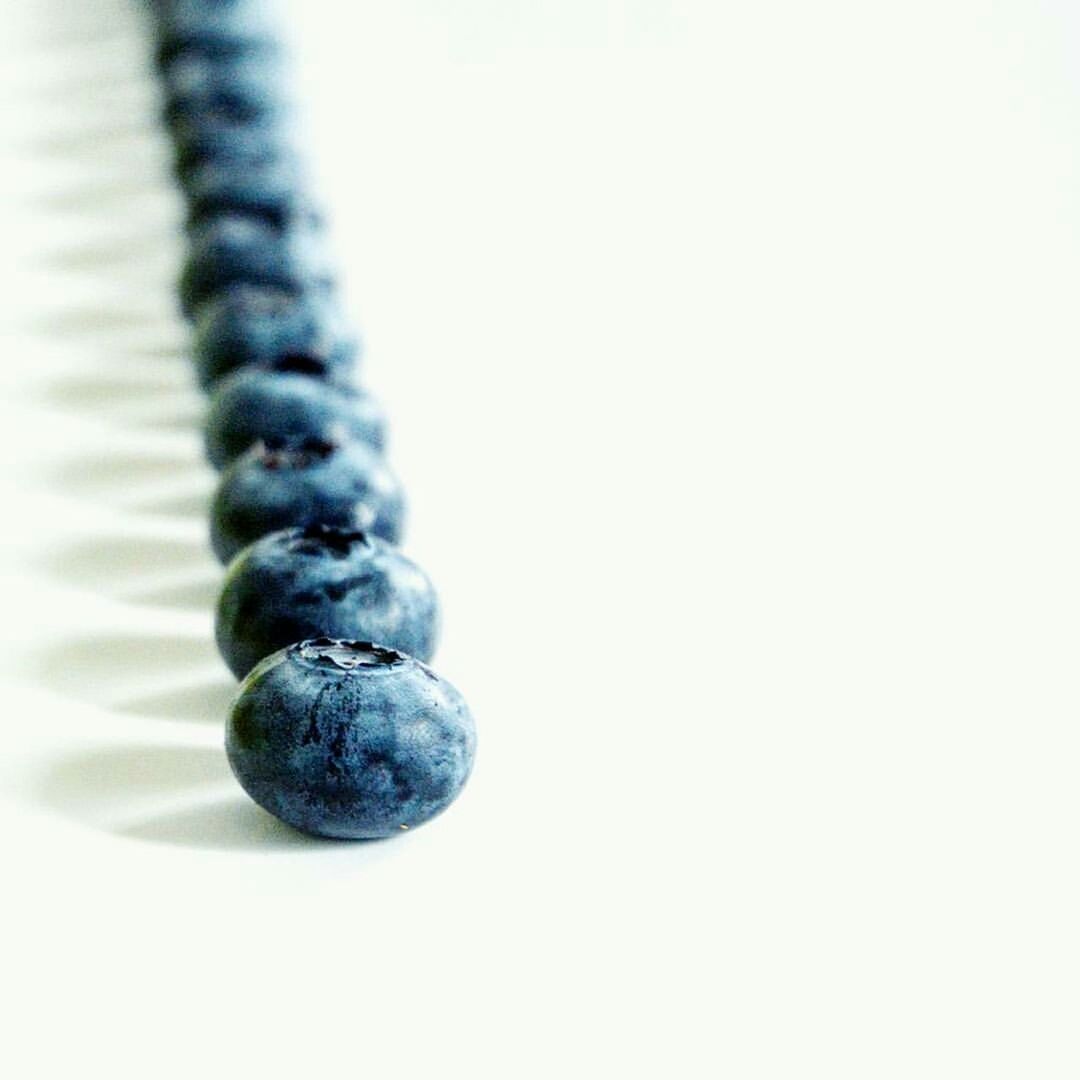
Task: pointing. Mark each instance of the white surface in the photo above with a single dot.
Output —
(732, 355)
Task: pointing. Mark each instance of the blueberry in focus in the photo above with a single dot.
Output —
(287, 483)
(323, 582)
(349, 740)
(276, 404)
(248, 326)
(236, 250)
(273, 191)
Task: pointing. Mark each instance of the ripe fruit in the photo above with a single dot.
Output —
(267, 404)
(323, 582)
(250, 325)
(286, 483)
(349, 740)
(236, 250)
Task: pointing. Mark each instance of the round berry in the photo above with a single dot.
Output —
(243, 144)
(349, 740)
(217, 29)
(207, 132)
(323, 582)
(237, 250)
(284, 483)
(273, 191)
(195, 84)
(278, 403)
(257, 326)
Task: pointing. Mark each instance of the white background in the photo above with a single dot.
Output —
(732, 355)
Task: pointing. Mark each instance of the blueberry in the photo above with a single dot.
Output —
(248, 87)
(323, 582)
(282, 484)
(231, 142)
(234, 129)
(273, 191)
(225, 46)
(235, 250)
(193, 76)
(267, 404)
(229, 105)
(220, 29)
(349, 740)
(247, 325)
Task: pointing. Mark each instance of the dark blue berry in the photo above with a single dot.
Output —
(220, 29)
(230, 142)
(349, 740)
(282, 484)
(323, 582)
(255, 326)
(199, 135)
(273, 191)
(235, 250)
(248, 87)
(263, 405)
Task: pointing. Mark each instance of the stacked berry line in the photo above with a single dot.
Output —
(339, 728)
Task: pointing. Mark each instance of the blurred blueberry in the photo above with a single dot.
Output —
(247, 326)
(258, 404)
(193, 76)
(219, 29)
(319, 581)
(233, 129)
(249, 89)
(282, 484)
(239, 142)
(349, 740)
(236, 250)
(274, 191)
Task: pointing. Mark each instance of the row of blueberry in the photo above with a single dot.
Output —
(339, 728)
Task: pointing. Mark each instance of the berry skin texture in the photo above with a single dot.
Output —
(349, 740)
(323, 582)
(250, 326)
(267, 405)
(237, 250)
(281, 485)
